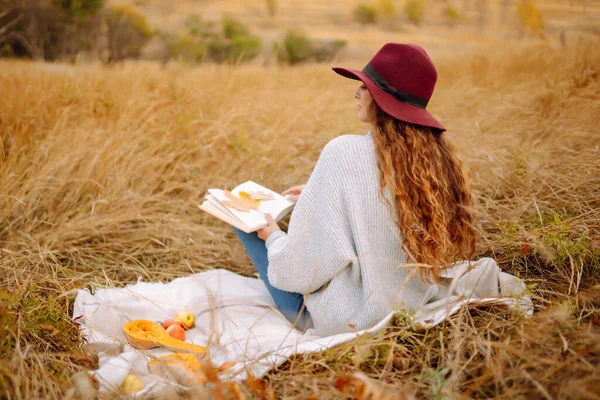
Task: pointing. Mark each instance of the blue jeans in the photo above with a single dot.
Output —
(290, 304)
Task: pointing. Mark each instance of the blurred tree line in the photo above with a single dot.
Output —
(62, 29)
(231, 41)
(67, 29)
(525, 13)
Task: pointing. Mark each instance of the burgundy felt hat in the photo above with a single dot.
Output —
(401, 78)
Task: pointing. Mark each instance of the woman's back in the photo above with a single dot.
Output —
(352, 268)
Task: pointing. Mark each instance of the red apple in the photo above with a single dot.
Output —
(170, 322)
(176, 332)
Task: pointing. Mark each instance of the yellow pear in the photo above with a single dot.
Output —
(186, 318)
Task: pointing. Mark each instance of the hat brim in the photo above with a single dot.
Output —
(390, 104)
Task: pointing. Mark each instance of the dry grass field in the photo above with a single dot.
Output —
(101, 171)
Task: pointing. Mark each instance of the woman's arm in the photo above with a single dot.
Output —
(318, 244)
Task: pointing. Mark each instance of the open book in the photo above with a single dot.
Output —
(246, 205)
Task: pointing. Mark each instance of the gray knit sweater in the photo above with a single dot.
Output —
(342, 250)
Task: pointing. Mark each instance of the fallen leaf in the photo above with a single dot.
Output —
(258, 195)
(343, 384)
(360, 387)
(240, 203)
(526, 249)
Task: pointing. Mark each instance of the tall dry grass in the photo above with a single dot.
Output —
(102, 171)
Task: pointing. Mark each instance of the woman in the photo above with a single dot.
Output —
(381, 215)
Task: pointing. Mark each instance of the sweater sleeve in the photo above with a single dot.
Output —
(319, 242)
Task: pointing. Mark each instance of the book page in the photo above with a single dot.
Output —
(211, 209)
(278, 207)
(217, 204)
(254, 219)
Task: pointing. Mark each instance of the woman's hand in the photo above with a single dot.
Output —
(293, 192)
(265, 232)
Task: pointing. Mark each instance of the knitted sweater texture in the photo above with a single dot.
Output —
(343, 249)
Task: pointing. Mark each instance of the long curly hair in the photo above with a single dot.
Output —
(434, 209)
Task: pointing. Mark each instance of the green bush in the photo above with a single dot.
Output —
(530, 17)
(414, 10)
(203, 40)
(191, 45)
(365, 14)
(196, 26)
(186, 47)
(218, 49)
(327, 50)
(451, 15)
(233, 50)
(244, 47)
(128, 31)
(233, 27)
(297, 47)
(80, 8)
(234, 44)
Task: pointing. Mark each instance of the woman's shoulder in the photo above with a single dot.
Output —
(347, 144)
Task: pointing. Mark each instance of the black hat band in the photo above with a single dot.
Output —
(386, 87)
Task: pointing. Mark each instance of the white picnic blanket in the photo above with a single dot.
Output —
(237, 320)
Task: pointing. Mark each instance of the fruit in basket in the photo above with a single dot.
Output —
(177, 332)
(185, 317)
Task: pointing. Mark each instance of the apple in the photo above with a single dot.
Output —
(170, 322)
(132, 384)
(176, 331)
(186, 317)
